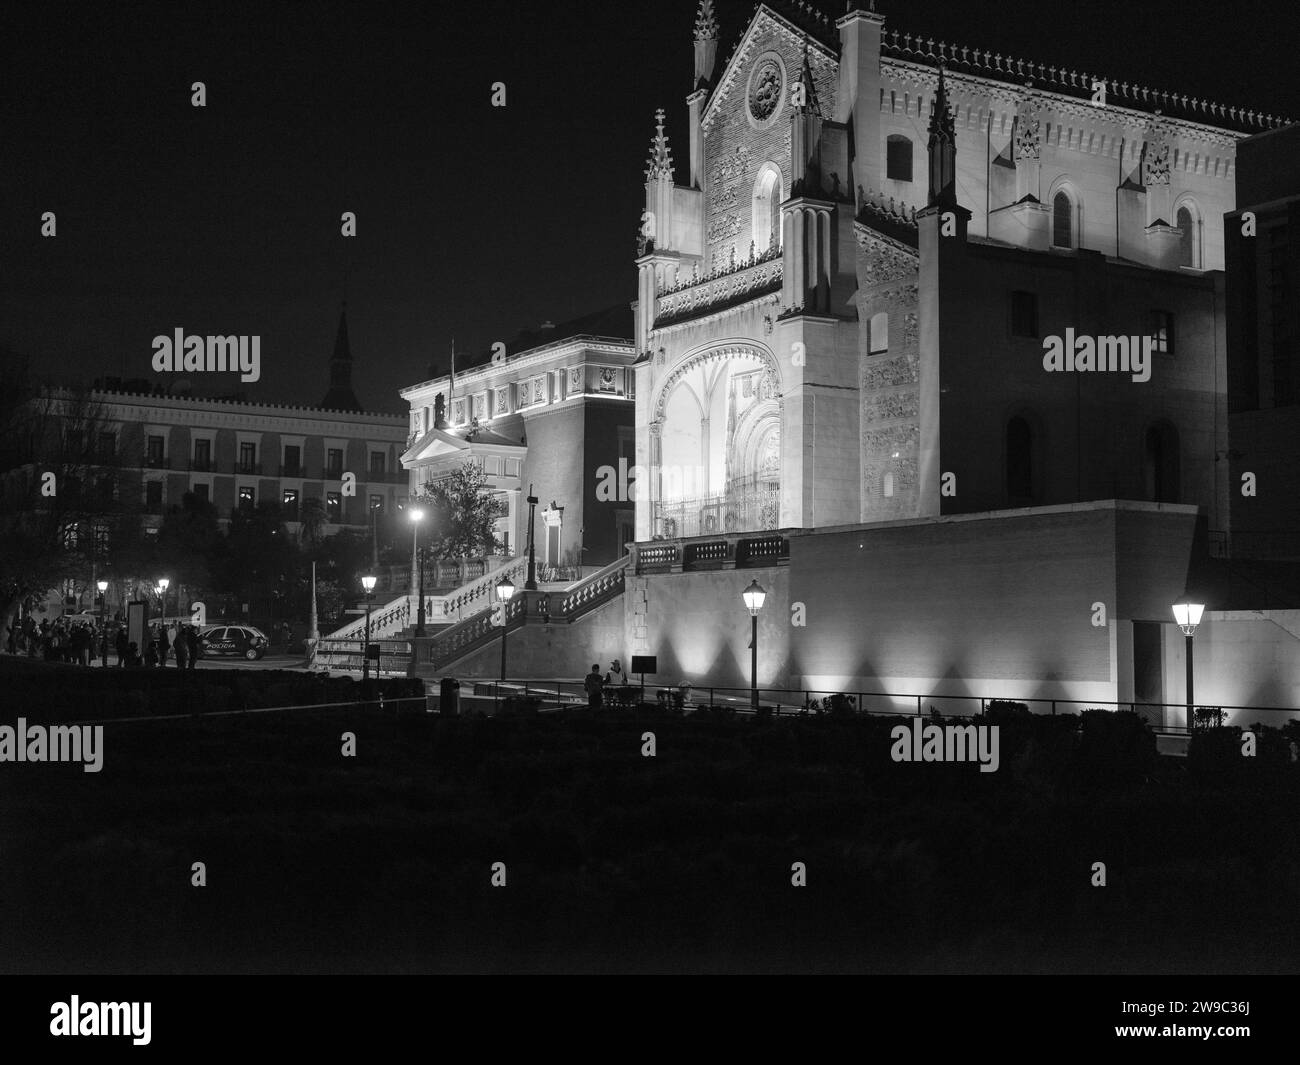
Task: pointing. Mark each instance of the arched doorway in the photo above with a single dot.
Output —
(716, 445)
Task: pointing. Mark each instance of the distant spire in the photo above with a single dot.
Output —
(660, 163)
(340, 395)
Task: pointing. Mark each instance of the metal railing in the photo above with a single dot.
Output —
(757, 510)
(348, 655)
(558, 693)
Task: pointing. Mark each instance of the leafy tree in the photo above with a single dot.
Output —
(188, 540)
(68, 499)
(312, 522)
(462, 513)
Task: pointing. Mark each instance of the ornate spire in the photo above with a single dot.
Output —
(942, 148)
(810, 104)
(706, 25)
(660, 163)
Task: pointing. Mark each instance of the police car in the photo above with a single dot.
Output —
(241, 640)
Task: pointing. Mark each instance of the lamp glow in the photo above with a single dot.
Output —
(754, 596)
(1188, 616)
(505, 590)
(368, 583)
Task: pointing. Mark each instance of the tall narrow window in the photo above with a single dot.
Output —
(1161, 463)
(248, 457)
(1020, 462)
(1062, 220)
(1024, 314)
(1160, 326)
(898, 158)
(878, 334)
(1187, 246)
(202, 455)
(766, 218)
(334, 462)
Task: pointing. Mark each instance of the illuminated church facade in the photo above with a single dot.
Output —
(855, 256)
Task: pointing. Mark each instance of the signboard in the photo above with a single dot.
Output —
(644, 664)
(137, 617)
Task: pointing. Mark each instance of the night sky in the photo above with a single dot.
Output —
(473, 221)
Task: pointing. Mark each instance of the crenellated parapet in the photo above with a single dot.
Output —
(1075, 83)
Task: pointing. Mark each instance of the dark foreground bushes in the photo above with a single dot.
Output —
(56, 692)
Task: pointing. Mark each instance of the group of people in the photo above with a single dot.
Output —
(80, 642)
(595, 684)
(59, 640)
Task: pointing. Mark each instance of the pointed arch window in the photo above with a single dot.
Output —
(1189, 246)
(767, 209)
(1063, 235)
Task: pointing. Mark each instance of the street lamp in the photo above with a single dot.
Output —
(417, 559)
(163, 582)
(753, 596)
(531, 583)
(368, 583)
(1188, 615)
(505, 592)
(103, 623)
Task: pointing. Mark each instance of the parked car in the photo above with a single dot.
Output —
(242, 640)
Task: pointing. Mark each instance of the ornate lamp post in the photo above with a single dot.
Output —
(368, 583)
(417, 562)
(531, 583)
(163, 582)
(753, 597)
(505, 592)
(103, 622)
(1188, 615)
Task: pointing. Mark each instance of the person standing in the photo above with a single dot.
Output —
(162, 646)
(181, 647)
(122, 646)
(192, 644)
(593, 684)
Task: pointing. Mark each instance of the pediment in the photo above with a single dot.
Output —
(736, 72)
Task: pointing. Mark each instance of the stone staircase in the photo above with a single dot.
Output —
(450, 645)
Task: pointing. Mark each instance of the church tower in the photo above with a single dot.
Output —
(340, 395)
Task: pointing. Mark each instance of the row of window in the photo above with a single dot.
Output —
(246, 499)
(529, 392)
(291, 464)
(1065, 206)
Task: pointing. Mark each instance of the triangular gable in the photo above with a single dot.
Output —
(765, 18)
(432, 445)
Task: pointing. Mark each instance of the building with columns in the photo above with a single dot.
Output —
(554, 415)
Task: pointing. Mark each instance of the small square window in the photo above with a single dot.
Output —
(1160, 325)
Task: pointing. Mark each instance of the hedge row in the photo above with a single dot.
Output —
(53, 691)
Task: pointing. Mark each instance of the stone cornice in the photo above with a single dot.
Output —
(622, 351)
